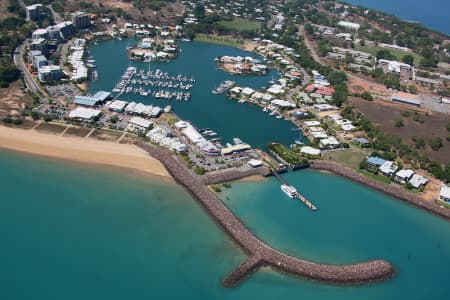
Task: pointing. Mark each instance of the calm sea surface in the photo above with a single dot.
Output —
(69, 231)
(206, 110)
(78, 232)
(432, 13)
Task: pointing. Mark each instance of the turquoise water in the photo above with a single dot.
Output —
(431, 13)
(352, 224)
(206, 110)
(79, 232)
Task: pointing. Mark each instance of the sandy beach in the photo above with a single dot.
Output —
(84, 150)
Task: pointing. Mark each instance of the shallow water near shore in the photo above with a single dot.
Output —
(79, 232)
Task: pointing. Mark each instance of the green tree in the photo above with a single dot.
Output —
(408, 59)
(385, 54)
(412, 89)
(399, 122)
(435, 143)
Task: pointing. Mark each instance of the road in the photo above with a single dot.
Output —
(18, 61)
(55, 15)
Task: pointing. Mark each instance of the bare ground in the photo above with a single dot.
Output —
(13, 100)
(384, 114)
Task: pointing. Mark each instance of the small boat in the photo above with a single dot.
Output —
(223, 87)
(298, 142)
(237, 141)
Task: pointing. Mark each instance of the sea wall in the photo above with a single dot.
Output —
(259, 252)
(389, 189)
(223, 176)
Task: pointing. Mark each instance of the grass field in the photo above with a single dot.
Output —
(221, 40)
(397, 53)
(240, 25)
(349, 158)
(378, 177)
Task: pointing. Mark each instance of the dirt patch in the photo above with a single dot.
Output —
(249, 46)
(129, 139)
(77, 131)
(13, 100)
(104, 135)
(434, 125)
(52, 128)
(360, 83)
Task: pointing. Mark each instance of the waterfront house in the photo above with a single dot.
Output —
(404, 175)
(330, 142)
(418, 180)
(444, 194)
(388, 168)
(247, 92)
(374, 163)
(310, 151)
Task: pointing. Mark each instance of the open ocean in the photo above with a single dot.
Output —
(69, 231)
(432, 13)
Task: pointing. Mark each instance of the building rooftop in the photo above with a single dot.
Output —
(101, 95)
(140, 122)
(418, 180)
(85, 100)
(375, 160)
(84, 113)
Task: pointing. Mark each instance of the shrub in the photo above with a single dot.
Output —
(399, 122)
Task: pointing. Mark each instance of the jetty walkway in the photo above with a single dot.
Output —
(261, 254)
(299, 195)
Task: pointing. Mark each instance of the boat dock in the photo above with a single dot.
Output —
(298, 195)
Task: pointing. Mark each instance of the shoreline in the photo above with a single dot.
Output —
(259, 253)
(84, 150)
(389, 190)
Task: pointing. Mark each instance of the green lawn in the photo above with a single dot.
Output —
(397, 53)
(241, 24)
(375, 176)
(221, 40)
(442, 203)
(349, 158)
